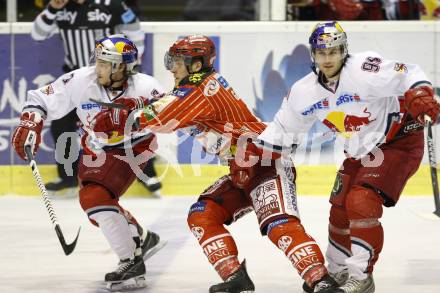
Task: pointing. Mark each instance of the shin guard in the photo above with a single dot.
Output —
(339, 245)
(364, 209)
(206, 220)
(300, 248)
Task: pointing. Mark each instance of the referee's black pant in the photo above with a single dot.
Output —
(68, 123)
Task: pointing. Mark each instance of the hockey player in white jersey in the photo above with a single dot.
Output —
(378, 108)
(103, 177)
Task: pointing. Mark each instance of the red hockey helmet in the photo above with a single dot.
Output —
(191, 48)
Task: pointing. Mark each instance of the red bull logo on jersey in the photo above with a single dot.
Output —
(321, 105)
(346, 124)
(347, 98)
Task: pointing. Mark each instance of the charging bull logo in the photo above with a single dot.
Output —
(345, 124)
(284, 242)
(198, 232)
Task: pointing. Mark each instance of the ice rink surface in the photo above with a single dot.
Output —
(32, 261)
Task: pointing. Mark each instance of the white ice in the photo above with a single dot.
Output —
(32, 261)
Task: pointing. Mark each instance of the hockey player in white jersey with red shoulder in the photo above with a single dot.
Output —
(104, 177)
(377, 107)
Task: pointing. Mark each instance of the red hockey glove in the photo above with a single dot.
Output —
(28, 133)
(242, 167)
(346, 9)
(110, 122)
(420, 101)
(132, 103)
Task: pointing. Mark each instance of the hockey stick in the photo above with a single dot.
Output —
(110, 105)
(433, 165)
(115, 106)
(68, 248)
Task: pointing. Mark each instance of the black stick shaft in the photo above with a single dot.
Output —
(67, 248)
(433, 168)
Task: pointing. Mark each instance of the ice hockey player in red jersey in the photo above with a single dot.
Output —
(103, 177)
(204, 105)
(378, 108)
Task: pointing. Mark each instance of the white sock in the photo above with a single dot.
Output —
(115, 228)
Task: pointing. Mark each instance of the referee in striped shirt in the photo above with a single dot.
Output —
(80, 23)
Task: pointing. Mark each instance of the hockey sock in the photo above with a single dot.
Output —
(339, 246)
(300, 248)
(115, 228)
(134, 229)
(206, 220)
(136, 237)
(364, 209)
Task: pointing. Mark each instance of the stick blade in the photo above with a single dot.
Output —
(68, 248)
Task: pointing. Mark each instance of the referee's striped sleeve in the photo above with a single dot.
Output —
(44, 25)
(134, 33)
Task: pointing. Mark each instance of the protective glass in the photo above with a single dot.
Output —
(172, 61)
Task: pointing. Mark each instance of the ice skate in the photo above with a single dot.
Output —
(357, 286)
(326, 285)
(340, 278)
(62, 188)
(60, 184)
(130, 274)
(154, 186)
(238, 282)
(150, 244)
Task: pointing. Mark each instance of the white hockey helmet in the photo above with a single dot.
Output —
(328, 35)
(117, 49)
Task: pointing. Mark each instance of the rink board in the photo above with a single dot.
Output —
(185, 179)
(272, 56)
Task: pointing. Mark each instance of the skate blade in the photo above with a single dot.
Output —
(130, 284)
(152, 251)
(234, 291)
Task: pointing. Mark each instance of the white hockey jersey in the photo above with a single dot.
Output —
(76, 88)
(362, 109)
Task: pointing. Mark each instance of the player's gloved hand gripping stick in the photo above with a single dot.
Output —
(125, 105)
(422, 104)
(68, 248)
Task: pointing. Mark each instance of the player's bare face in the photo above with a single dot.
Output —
(103, 70)
(329, 61)
(179, 71)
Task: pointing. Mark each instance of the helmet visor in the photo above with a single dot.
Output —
(172, 61)
(106, 55)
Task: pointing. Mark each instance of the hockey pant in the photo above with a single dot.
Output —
(356, 236)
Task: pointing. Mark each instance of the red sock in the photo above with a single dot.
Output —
(300, 248)
(206, 220)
